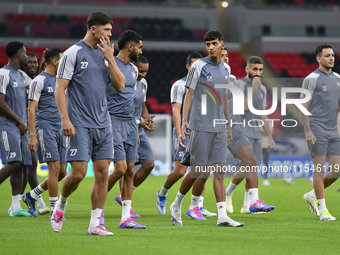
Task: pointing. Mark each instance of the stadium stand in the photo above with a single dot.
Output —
(294, 64)
(41, 25)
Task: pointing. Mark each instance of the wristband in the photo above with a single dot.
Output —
(138, 121)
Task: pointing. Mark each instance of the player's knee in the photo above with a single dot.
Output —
(151, 165)
(217, 175)
(250, 161)
(102, 171)
(181, 170)
(129, 172)
(119, 171)
(54, 169)
(319, 175)
(78, 177)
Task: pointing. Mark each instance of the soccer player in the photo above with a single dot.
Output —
(241, 149)
(320, 128)
(30, 172)
(178, 92)
(252, 203)
(207, 146)
(52, 142)
(13, 119)
(145, 155)
(124, 126)
(85, 70)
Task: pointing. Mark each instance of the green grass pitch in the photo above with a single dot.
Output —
(290, 229)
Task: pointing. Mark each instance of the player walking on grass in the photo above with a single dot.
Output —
(207, 146)
(145, 155)
(320, 128)
(30, 172)
(85, 70)
(13, 119)
(51, 142)
(250, 141)
(178, 92)
(124, 126)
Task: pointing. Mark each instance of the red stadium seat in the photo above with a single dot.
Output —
(42, 18)
(17, 29)
(10, 17)
(314, 67)
(126, 21)
(59, 30)
(152, 100)
(199, 33)
(40, 29)
(74, 19)
(21, 18)
(154, 108)
(166, 108)
(29, 48)
(39, 51)
(116, 20)
(3, 57)
(31, 18)
(83, 19)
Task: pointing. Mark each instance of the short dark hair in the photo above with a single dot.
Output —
(13, 48)
(254, 60)
(141, 59)
(212, 35)
(192, 55)
(32, 54)
(128, 36)
(98, 19)
(52, 53)
(319, 49)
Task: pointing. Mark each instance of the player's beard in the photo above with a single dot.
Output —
(134, 56)
(251, 76)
